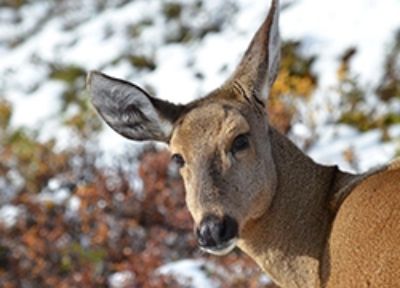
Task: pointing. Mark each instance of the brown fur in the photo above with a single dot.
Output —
(210, 171)
(305, 224)
(364, 245)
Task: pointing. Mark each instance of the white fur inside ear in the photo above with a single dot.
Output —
(273, 69)
(274, 48)
(149, 111)
(128, 109)
(166, 127)
(274, 54)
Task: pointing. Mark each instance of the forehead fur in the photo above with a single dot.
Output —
(210, 123)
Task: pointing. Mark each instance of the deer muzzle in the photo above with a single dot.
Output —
(217, 235)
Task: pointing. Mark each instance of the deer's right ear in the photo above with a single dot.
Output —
(260, 64)
(131, 111)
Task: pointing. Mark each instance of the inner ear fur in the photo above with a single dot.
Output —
(130, 110)
(259, 66)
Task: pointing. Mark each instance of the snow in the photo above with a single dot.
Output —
(326, 28)
(9, 215)
(188, 273)
(73, 204)
(121, 279)
(331, 27)
(57, 197)
(368, 149)
(195, 273)
(56, 193)
(28, 111)
(174, 59)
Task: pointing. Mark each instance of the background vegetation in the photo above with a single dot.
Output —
(77, 222)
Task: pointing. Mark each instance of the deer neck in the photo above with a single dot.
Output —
(289, 240)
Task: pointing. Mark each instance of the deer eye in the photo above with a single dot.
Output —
(240, 143)
(178, 160)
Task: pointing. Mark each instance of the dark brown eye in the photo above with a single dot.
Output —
(240, 143)
(178, 160)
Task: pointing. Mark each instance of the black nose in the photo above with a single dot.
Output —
(214, 231)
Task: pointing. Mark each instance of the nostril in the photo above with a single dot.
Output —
(204, 237)
(214, 230)
(208, 232)
(229, 229)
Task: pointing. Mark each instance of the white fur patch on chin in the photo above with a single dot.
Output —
(221, 251)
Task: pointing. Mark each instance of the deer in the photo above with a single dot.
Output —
(248, 186)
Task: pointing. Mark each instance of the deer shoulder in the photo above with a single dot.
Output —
(363, 247)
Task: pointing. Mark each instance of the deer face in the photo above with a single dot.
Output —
(218, 146)
(220, 142)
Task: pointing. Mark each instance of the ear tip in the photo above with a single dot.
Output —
(91, 76)
(274, 9)
(275, 6)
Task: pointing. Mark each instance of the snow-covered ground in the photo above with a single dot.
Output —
(195, 273)
(188, 272)
(326, 28)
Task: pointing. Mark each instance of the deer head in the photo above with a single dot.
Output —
(221, 142)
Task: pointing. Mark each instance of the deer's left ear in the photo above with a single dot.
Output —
(259, 66)
(130, 111)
